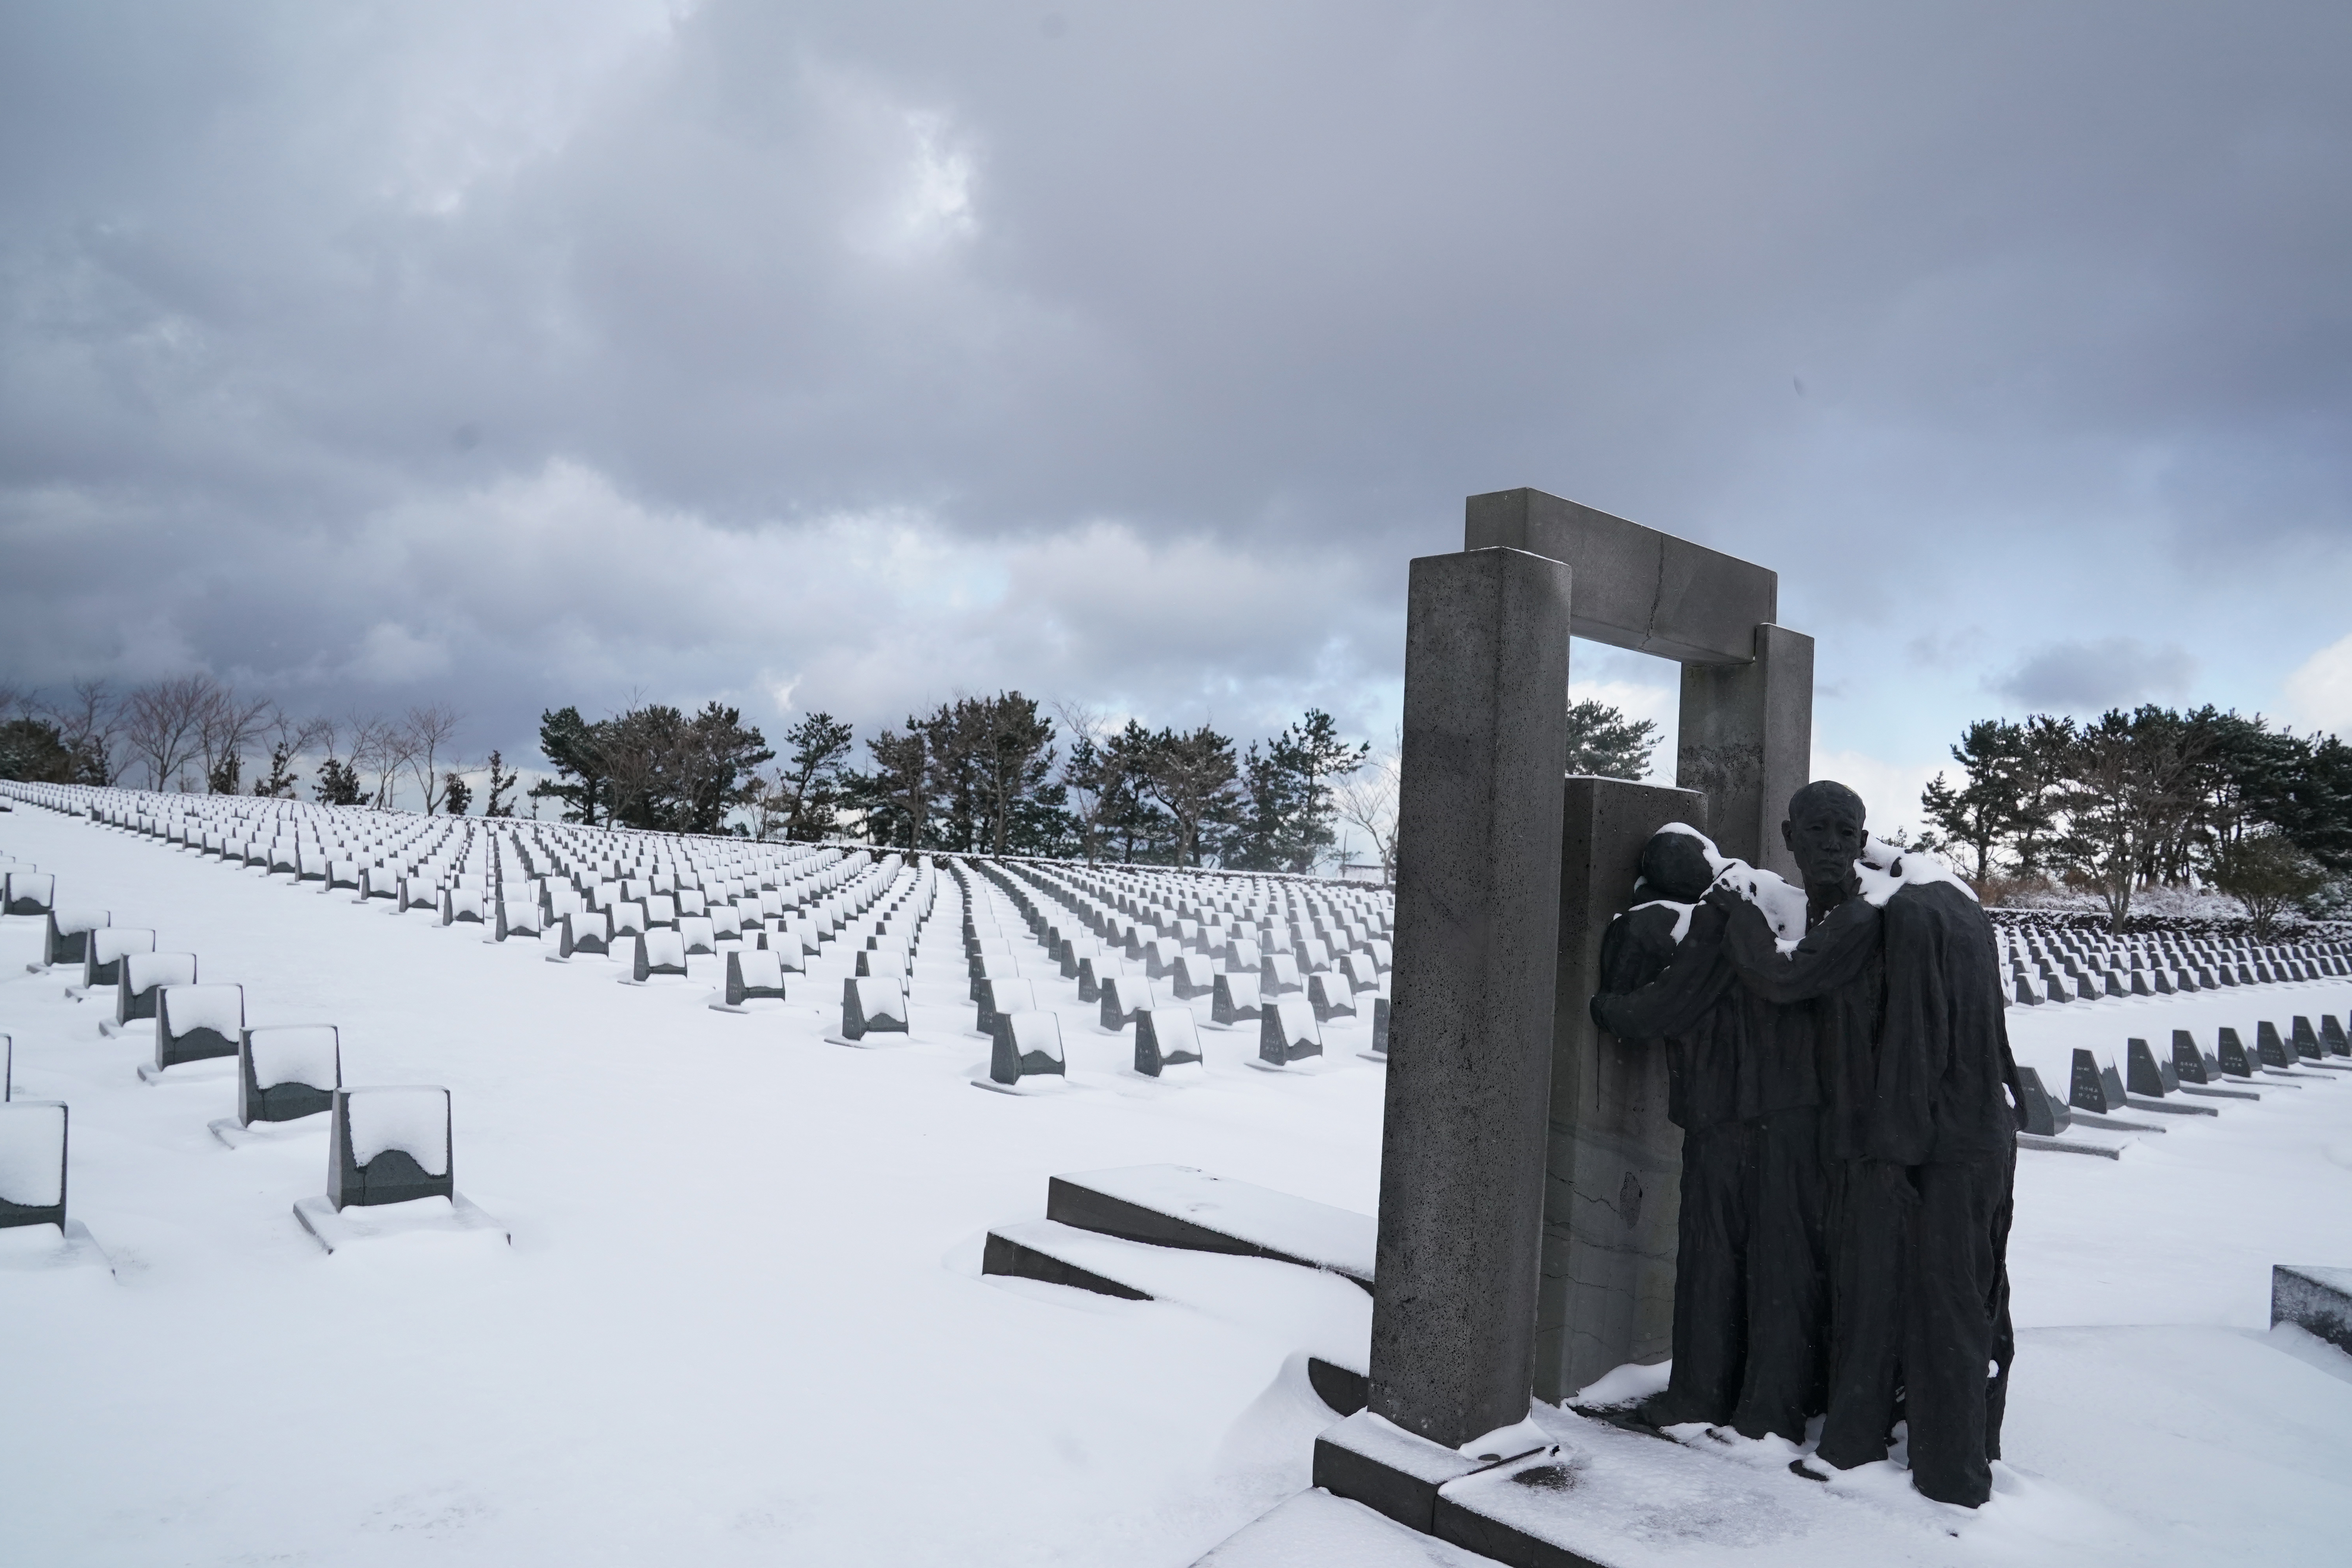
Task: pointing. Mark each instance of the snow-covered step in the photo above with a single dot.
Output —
(1178, 1206)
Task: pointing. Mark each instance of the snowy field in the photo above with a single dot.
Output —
(741, 1319)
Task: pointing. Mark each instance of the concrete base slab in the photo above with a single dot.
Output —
(1181, 1205)
(39, 1249)
(1316, 1530)
(2068, 1146)
(233, 1135)
(1040, 1085)
(214, 1070)
(425, 1216)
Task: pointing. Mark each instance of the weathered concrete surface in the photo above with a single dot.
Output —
(1613, 1163)
(1745, 739)
(1461, 1161)
(1635, 588)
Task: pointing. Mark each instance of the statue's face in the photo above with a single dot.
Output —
(1826, 838)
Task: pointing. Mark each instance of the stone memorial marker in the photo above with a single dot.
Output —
(1234, 1000)
(659, 954)
(33, 1135)
(196, 1023)
(753, 974)
(141, 977)
(288, 1071)
(1165, 1039)
(1288, 1032)
(1027, 1046)
(69, 929)
(104, 950)
(871, 1004)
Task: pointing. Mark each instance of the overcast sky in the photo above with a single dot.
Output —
(848, 356)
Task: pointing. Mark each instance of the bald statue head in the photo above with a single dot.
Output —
(1825, 832)
(1674, 866)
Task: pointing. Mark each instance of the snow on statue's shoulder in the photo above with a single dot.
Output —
(1781, 903)
(1682, 914)
(1886, 871)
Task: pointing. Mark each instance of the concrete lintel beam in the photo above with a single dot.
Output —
(1635, 588)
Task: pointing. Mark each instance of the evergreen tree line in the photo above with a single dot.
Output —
(996, 775)
(2147, 798)
(989, 775)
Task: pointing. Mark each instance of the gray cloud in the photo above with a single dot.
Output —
(842, 355)
(2077, 677)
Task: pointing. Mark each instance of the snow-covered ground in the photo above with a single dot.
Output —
(741, 1318)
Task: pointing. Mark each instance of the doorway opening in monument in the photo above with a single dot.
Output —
(1644, 689)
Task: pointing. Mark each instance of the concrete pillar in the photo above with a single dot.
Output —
(1746, 741)
(1470, 1030)
(1613, 1163)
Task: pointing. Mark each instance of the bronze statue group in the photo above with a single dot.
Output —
(1843, 1083)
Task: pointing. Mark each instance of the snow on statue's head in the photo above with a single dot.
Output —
(1825, 831)
(1675, 864)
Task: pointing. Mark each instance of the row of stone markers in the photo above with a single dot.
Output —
(2062, 966)
(385, 1145)
(2189, 1080)
(1280, 955)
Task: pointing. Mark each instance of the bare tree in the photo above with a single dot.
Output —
(1367, 800)
(163, 722)
(90, 723)
(225, 730)
(379, 748)
(424, 733)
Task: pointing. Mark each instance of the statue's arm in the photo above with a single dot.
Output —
(1681, 993)
(1831, 954)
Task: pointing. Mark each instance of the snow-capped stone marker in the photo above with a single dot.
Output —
(1122, 996)
(516, 917)
(389, 1169)
(461, 906)
(2231, 1052)
(104, 950)
(1166, 1039)
(138, 980)
(1235, 1001)
(32, 1163)
(194, 1023)
(658, 954)
(1193, 975)
(1278, 975)
(7, 1067)
(389, 1146)
(284, 1073)
(1025, 1054)
(871, 961)
(2147, 1075)
(1243, 957)
(998, 997)
(2331, 1036)
(1331, 995)
(1288, 1032)
(871, 1005)
(754, 975)
(1380, 1050)
(68, 938)
(30, 893)
(588, 933)
(2046, 1115)
(628, 918)
(700, 937)
(379, 882)
(2315, 1299)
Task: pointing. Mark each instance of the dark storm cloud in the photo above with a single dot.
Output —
(844, 355)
